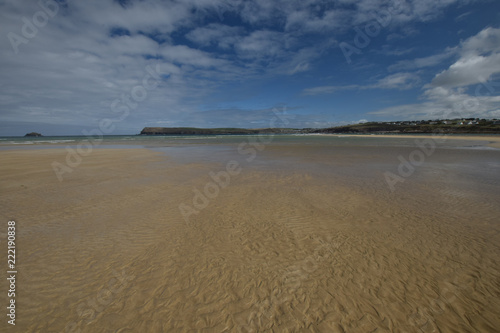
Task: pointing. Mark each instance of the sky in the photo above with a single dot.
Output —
(74, 67)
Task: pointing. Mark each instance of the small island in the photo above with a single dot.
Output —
(33, 134)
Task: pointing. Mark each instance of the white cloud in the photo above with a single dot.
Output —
(308, 21)
(443, 103)
(322, 90)
(424, 61)
(463, 89)
(479, 60)
(399, 81)
(323, 16)
(218, 34)
(393, 51)
(301, 67)
(71, 71)
(473, 52)
(487, 40)
(261, 43)
(467, 71)
(463, 16)
(185, 55)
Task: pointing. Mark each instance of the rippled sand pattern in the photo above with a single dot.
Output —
(308, 239)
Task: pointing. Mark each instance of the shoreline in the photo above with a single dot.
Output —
(493, 141)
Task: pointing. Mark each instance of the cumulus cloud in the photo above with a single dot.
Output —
(479, 61)
(467, 71)
(71, 68)
(443, 103)
(465, 88)
(90, 54)
(475, 53)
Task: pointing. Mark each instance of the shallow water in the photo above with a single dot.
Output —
(234, 140)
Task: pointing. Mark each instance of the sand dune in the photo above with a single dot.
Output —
(317, 245)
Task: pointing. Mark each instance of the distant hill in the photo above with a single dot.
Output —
(450, 127)
(454, 126)
(213, 131)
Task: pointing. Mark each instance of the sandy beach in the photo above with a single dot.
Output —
(303, 238)
(192, 166)
(493, 140)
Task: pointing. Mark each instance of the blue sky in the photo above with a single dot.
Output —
(73, 66)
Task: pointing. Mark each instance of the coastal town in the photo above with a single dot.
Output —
(448, 126)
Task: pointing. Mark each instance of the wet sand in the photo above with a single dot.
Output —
(300, 239)
(493, 140)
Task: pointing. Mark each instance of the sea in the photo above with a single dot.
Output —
(351, 158)
(154, 142)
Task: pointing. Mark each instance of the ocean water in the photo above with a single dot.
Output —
(352, 157)
(139, 141)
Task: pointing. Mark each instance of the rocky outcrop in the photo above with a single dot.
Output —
(34, 134)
